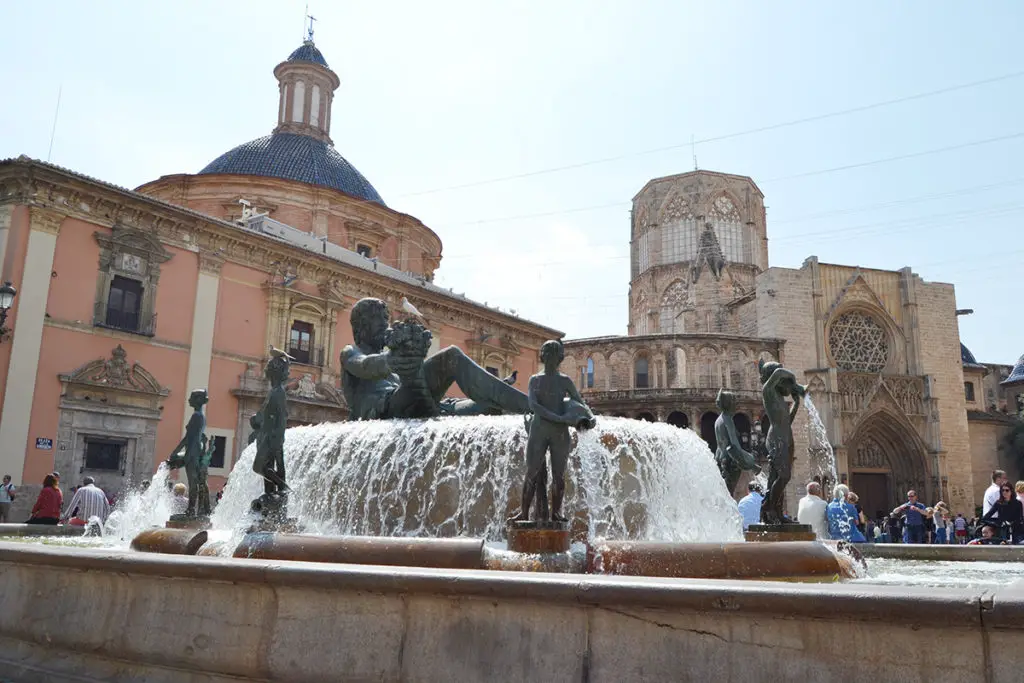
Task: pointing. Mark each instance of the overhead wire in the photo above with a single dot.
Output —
(718, 138)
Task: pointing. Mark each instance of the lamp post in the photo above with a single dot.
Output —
(7, 294)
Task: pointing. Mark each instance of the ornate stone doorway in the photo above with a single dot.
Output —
(109, 411)
(886, 458)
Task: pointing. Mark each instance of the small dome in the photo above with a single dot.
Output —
(295, 157)
(966, 357)
(307, 52)
(1017, 375)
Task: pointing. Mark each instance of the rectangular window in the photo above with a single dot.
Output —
(364, 250)
(642, 377)
(492, 370)
(300, 344)
(969, 391)
(103, 455)
(219, 457)
(124, 304)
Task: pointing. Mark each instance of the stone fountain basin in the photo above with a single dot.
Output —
(793, 561)
(88, 615)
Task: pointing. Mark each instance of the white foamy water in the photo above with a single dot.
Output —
(946, 574)
(137, 510)
(821, 457)
(461, 476)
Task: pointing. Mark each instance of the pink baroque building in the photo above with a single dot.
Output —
(127, 300)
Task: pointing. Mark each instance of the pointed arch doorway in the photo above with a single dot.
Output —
(886, 458)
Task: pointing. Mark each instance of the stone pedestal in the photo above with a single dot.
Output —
(779, 532)
(187, 522)
(533, 538)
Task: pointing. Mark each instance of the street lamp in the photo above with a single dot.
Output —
(7, 294)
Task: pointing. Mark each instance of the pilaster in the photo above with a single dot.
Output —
(204, 316)
(6, 211)
(28, 315)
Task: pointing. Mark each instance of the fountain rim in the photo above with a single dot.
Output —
(1003, 606)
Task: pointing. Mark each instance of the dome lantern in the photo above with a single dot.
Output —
(307, 88)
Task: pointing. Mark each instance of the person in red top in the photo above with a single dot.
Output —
(49, 503)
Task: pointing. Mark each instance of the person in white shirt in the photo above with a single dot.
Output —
(7, 490)
(992, 492)
(812, 511)
(750, 505)
(88, 502)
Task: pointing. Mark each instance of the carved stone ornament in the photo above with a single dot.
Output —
(115, 372)
(869, 455)
(305, 388)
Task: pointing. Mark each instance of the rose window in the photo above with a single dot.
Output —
(858, 343)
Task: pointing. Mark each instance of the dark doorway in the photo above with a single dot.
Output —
(742, 423)
(678, 419)
(707, 429)
(873, 490)
(646, 417)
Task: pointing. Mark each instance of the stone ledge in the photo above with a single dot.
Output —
(893, 604)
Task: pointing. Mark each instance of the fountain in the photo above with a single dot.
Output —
(404, 568)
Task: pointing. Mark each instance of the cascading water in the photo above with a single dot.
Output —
(462, 476)
(821, 457)
(138, 510)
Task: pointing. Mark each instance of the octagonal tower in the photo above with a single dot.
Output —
(697, 241)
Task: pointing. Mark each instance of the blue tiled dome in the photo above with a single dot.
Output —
(295, 157)
(1017, 375)
(966, 357)
(307, 52)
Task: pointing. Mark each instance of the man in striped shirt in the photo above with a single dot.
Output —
(90, 502)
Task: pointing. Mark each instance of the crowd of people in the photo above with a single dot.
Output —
(88, 502)
(842, 518)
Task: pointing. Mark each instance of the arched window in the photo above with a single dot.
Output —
(641, 376)
(589, 384)
(678, 419)
(742, 423)
(707, 429)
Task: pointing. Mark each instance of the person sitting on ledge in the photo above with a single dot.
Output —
(842, 517)
(988, 537)
(811, 511)
(401, 382)
(49, 503)
(750, 505)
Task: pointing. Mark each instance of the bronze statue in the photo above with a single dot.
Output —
(556, 405)
(777, 384)
(272, 420)
(401, 382)
(194, 443)
(730, 455)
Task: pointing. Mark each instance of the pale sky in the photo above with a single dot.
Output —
(443, 103)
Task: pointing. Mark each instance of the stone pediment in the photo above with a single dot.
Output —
(115, 373)
(858, 291)
(123, 239)
(305, 388)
